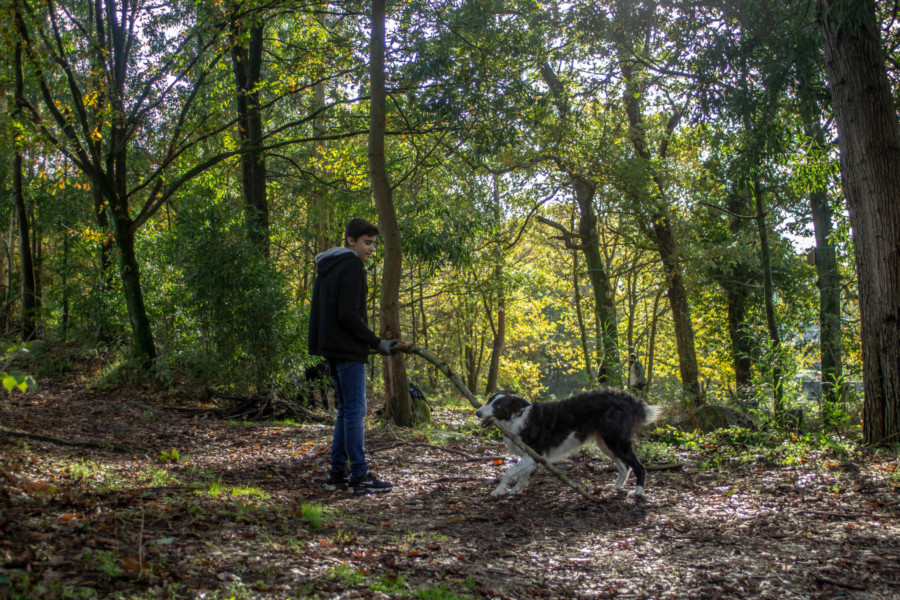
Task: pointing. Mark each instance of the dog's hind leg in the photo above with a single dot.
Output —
(625, 453)
(620, 464)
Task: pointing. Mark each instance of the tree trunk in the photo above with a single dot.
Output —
(769, 300)
(29, 305)
(681, 311)
(498, 329)
(605, 318)
(664, 238)
(828, 282)
(582, 330)
(604, 296)
(651, 346)
(870, 170)
(142, 334)
(320, 209)
(736, 301)
(499, 332)
(106, 244)
(246, 59)
(64, 284)
(399, 404)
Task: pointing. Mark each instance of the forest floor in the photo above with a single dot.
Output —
(160, 502)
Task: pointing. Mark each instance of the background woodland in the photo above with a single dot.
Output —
(559, 184)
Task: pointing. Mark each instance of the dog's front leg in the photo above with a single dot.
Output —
(524, 476)
(523, 468)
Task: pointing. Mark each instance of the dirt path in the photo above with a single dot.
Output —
(179, 505)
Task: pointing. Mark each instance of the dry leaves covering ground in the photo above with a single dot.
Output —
(178, 504)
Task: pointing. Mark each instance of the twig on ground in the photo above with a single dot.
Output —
(46, 438)
(841, 584)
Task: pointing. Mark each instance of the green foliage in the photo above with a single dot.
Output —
(169, 457)
(231, 308)
(314, 515)
(346, 574)
(390, 584)
(439, 592)
(17, 380)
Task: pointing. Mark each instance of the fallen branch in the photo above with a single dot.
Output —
(260, 408)
(46, 438)
(444, 368)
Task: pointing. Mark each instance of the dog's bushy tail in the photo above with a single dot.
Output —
(651, 414)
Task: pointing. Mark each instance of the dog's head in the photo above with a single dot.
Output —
(503, 406)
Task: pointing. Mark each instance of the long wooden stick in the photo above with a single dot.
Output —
(444, 368)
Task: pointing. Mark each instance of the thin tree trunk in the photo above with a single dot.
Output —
(736, 306)
(604, 296)
(29, 304)
(651, 346)
(768, 292)
(582, 330)
(246, 58)
(106, 243)
(499, 334)
(142, 334)
(64, 279)
(320, 213)
(870, 169)
(605, 318)
(828, 282)
(37, 252)
(664, 238)
(400, 406)
(499, 328)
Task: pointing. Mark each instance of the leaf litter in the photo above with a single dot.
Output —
(172, 503)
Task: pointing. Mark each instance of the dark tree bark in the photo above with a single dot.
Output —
(736, 304)
(737, 280)
(870, 170)
(579, 314)
(246, 60)
(399, 403)
(498, 325)
(769, 300)
(605, 317)
(498, 328)
(828, 281)
(29, 304)
(660, 231)
(606, 321)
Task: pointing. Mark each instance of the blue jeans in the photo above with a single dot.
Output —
(349, 442)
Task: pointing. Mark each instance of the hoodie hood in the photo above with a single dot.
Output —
(326, 260)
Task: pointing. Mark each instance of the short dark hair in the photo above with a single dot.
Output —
(358, 227)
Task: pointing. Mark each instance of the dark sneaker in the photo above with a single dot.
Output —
(369, 484)
(337, 482)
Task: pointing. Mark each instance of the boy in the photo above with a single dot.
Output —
(339, 331)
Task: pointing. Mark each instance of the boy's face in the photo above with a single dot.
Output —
(364, 246)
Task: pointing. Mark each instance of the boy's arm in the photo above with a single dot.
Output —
(351, 287)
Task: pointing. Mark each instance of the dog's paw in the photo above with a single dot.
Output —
(498, 492)
(638, 492)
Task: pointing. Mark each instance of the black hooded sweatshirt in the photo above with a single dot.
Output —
(338, 327)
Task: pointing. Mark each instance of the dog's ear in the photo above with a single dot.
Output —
(509, 405)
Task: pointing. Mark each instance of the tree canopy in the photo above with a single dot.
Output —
(560, 184)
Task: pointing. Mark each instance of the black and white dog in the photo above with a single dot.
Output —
(609, 417)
